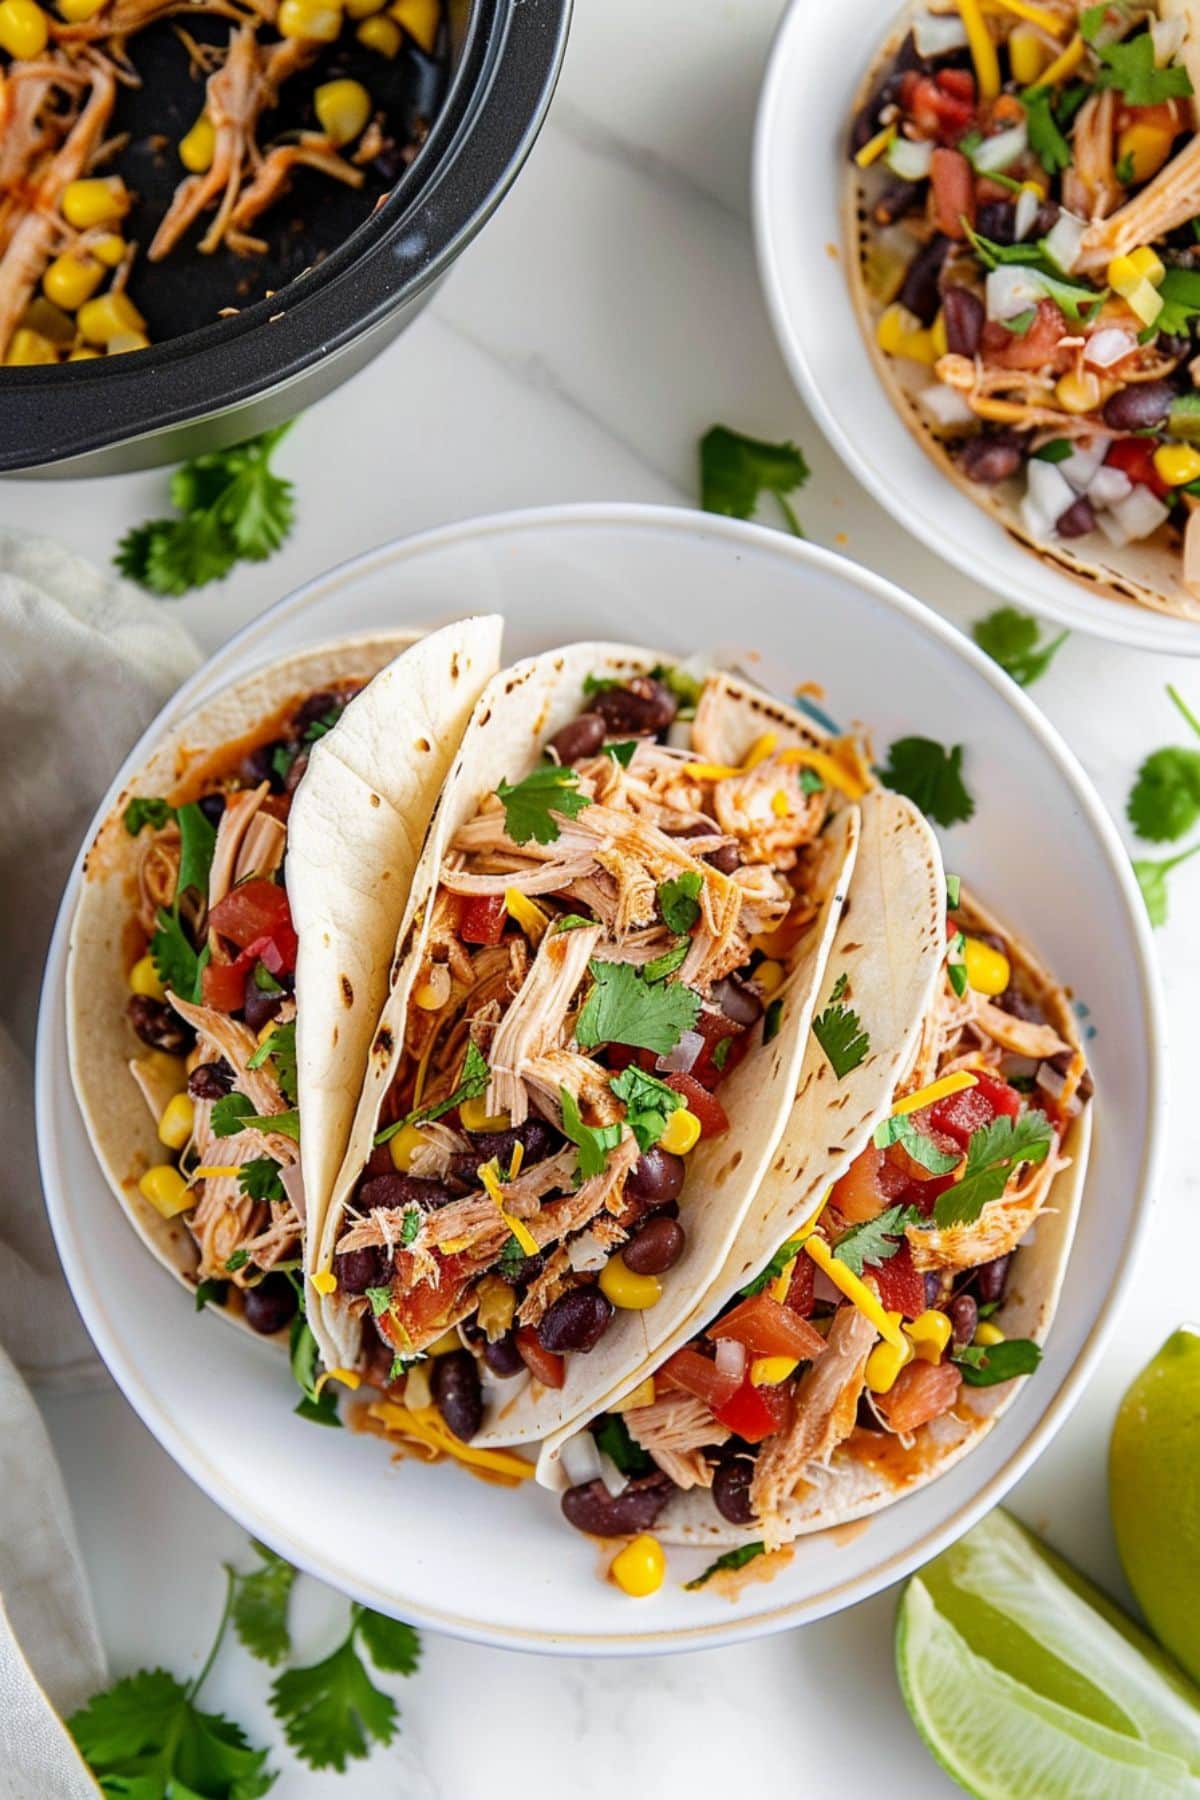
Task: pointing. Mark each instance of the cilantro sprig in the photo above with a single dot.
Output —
(1130, 68)
(1163, 803)
(259, 1607)
(985, 1366)
(1013, 639)
(931, 777)
(232, 506)
(613, 1440)
(279, 1048)
(530, 804)
(1152, 876)
(624, 1007)
(260, 1179)
(774, 1269)
(679, 900)
(472, 1083)
(875, 1240)
(994, 1154)
(730, 1559)
(592, 1141)
(902, 1129)
(735, 471)
(177, 961)
(649, 1103)
(147, 809)
(839, 1031)
(235, 1112)
(330, 1710)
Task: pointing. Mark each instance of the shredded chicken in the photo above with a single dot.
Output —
(535, 1022)
(545, 1289)
(1166, 202)
(674, 1429)
(1023, 1036)
(241, 809)
(237, 1044)
(998, 1229)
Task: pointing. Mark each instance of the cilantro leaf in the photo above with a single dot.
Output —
(1179, 291)
(380, 1299)
(259, 1178)
(1130, 68)
(670, 960)
(613, 1440)
(512, 1259)
(1045, 139)
(594, 1141)
(1056, 451)
(678, 901)
(1164, 801)
(623, 1008)
(259, 1607)
(237, 1260)
(953, 891)
(571, 922)
(994, 1154)
(875, 1240)
(146, 1738)
(1011, 638)
(472, 1083)
(984, 1366)
(956, 966)
(736, 470)
(649, 1103)
(235, 1112)
(623, 753)
(731, 1559)
(774, 1268)
(280, 1049)
(392, 1645)
(839, 1032)
(902, 1129)
(931, 777)
(1152, 879)
(303, 1355)
(331, 1709)
(687, 688)
(772, 1019)
(210, 1293)
(528, 803)
(197, 841)
(146, 810)
(176, 962)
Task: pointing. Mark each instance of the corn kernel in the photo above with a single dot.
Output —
(875, 147)
(682, 1132)
(988, 970)
(123, 341)
(417, 1392)
(108, 248)
(1177, 463)
(26, 347)
(363, 9)
(70, 280)
(938, 336)
(342, 108)
(420, 18)
(197, 147)
(988, 1335)
(325, 1281)
(313, 21)
(108, 316)
(1148, 264)
(641, 1395)
(1133, 277)
(899, 333)
(527, 913)
(496, 1304)
(929, 1333)
(1078, 391)
(84, 353)
(381, 35)
(175, 1126)
(166, 1071)
(24, 28)
(448, 1341)
(1028, 54)
(166, 1190)
(404, 1146)
(97, 200)
(75, 12)
(1146, 147)
(886, 1360)
(144, 979)
(640, 1568)
(630, 1292)
(769, 975)
(769, 1371)
(476, 1117)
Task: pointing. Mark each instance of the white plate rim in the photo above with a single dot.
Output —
(237, 652)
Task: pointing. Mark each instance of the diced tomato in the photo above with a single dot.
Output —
(901, 1286)
(952, 181)
(543, 1365)
(802, 1291)
(870, 1185)
(255, 909)
(1004, 1098)
(700, 1376)
(921, 1392)
(958, 82)
(716, 1029)
(769, 1329)
(1037, 348)
(1134, 456)
(706, 1107)
(223, 986)
(934, 108)
(924, 1195)
(483, 918)
(961, 1114)
(419, 1309)
(755, 1413)
(904, 1163)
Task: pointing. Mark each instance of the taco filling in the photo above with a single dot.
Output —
(865, 1324)
(609, 938)
(1029, 191)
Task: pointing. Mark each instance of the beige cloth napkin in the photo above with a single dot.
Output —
(85, 663)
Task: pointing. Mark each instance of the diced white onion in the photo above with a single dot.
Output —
(580, 1459)
(679, 734)
(1048, 489)
(1167, 35)
(1050, 1080)
(1084, 462)
(910, 158)
(1108, 486)
(1011, 290)
(823, 1289)
(935, 33)
(1134, 518)
(1025, 213)
(945, 405)
(586, 1254)
(731, 1358)
(612, 1477)
(684, 1056)
(1063, 239)
(1108, 345)
(996, 153)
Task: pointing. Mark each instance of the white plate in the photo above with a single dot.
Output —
(817, 64)
(501, 1566)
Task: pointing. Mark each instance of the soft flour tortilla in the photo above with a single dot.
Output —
(1147, 573)
(349, 866)
(517, 714)
(870, 1470)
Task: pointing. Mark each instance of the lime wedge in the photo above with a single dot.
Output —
(1027, 1684)
(1154, 1492)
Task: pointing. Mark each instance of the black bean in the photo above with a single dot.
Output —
(737, 1001)
(655, 1247)
(898, 198)
(991, 1279)
(591, 1508)
(296, 773)
(1014, 1000)
(1139, 406)
(731, 1491)
(457, 1395)
(209, 1081)
(357, 1270)
(159, 1025)
(938, 1283)
(577, 1321)
(964, 1317)
(657, 1175)
(1062, 1065)
(919, 291)
(536, 1138)
(259, 1005)
(581, 737)
(258, 765)
(1172, 343)
(964, 315)
(212, 806)
(1047, 218)
(502, 1357)
(401, 1190)
(990, 457)
(996, 219)
(639, 709)
(271, 1305)
(314, 708)
(1078, 519)
(725, 859)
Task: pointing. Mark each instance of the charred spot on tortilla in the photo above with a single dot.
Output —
(423, 745)
(385, 1042)
(454, 669)
(347, 991)
(375, 800)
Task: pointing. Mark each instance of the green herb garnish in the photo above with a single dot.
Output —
(331, 1710)
(984, 1366)
(679, 900)
(624, 1008)
(994, 1154)
(613, 1440)
(530, 805)
(147, 811)
(732, 1559)
(1130, 68)
(875, 1240)
(235, 1112)
(259, 1179)
(649, 1103)
(774, 1269)
(735, 471)
(931, 777)
(472, 1084)
(840, 1034)
(901, 1128)
(1152, 879)
(593, 1141)
(1012, 639)
(260, 1605)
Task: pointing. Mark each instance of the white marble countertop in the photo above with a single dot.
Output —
(607, 316)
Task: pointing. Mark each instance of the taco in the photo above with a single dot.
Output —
(603, 993)
(231, 947)
(899, 1276)
(1021, 198)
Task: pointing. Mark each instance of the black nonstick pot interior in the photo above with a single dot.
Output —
(334, 286)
